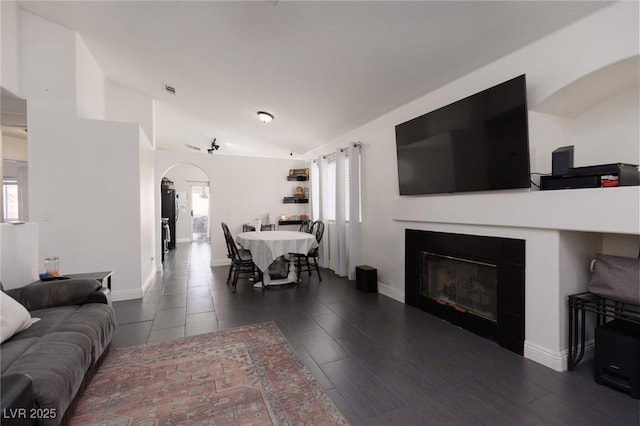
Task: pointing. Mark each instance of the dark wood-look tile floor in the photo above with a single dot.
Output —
(380, 361)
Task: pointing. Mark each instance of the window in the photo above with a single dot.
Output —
(10, 199)
(330, 189)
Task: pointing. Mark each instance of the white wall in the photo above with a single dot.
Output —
(86, 176)
(609, 132)
(130, 107)
(84, 193)
(241, 189)
(10, 64)
(19, 263)
(90, 83)
(148, 237)
(550, 64)
(47, 46)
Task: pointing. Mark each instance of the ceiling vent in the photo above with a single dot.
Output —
(169, 89)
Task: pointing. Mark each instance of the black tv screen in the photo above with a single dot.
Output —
(478, 143)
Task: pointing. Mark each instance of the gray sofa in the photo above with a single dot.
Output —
(46, 367)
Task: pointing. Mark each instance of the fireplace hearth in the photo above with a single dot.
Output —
(475, 282)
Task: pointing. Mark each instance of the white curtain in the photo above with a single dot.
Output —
(354, 209)
(341, 225)
(322, 198)
(347, 235)
(314, 196)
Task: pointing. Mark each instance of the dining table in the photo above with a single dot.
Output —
(267, 246)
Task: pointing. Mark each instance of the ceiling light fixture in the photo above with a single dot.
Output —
(265, 117)
(214, 146)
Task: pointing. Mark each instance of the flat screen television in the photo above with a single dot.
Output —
(478, 143)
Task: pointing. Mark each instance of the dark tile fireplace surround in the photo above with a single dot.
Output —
(472, 281)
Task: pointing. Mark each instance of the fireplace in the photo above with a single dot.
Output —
(472, 281)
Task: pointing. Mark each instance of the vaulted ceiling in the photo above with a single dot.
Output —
(322, 68)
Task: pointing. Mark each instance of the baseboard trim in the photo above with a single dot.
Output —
(557, 361)
(149, 280)
(391, 292)
(120, 295)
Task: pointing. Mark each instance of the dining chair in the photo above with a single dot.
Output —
(305, 226)
(317, 228)
(270, 227)
(241, 260)
(248, 228)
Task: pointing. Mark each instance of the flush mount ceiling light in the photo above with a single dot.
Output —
(265, 117)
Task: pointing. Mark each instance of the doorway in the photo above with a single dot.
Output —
(188, 219)
(199, 213)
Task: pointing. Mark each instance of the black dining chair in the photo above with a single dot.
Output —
(248, 228)
(317, 228)
(305, 226)
(241, 260)
(270, 227)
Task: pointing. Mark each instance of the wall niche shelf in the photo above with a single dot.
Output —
(591, 89)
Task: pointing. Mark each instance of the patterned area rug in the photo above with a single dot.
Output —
(247, 375)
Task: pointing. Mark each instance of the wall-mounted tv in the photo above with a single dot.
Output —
(478, 143)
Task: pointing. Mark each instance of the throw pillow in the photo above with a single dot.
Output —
(14, 318)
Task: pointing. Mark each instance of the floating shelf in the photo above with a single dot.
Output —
(290, 222)
(294, 200)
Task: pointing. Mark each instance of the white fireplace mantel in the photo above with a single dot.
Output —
(563, 230)
(603, 210)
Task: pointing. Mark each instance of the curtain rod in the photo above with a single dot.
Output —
(355, 145)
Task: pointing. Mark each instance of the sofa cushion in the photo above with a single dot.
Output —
(56, 364)
(94, 320)
(14, 318)
(49, 320)
(12, 350)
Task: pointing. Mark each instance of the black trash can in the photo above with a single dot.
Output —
(366, 278)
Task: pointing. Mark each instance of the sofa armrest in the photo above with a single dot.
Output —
(16, 400)
(101, 295)
(49, 294)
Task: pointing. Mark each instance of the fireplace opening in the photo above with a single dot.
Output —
(466, 285)
(475, 282)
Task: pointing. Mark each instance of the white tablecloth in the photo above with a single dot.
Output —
(267, 246)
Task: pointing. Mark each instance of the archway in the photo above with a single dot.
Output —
(185, 206)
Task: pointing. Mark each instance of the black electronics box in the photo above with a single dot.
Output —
(366, 278)
(617, 356)
(568, 182)
(615, 174)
